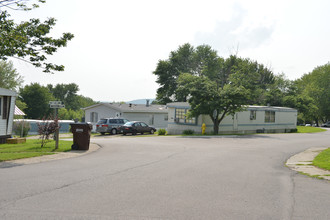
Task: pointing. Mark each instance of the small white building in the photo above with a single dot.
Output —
(154, 115)
(255, 119)
(7, 107)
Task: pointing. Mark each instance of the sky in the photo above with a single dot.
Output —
(118, 44)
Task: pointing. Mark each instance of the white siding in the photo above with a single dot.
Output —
(11, 115)
(157, 122)
(285, 119)
(102, 112)
(3, 122)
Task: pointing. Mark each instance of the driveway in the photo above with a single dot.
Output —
(229, 177)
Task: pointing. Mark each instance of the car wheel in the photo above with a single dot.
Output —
(113, 131)
(133, 132)
(102, 133)
(141, 132)
(152, 131)
(124, 133)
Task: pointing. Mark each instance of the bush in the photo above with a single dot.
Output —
(188, 132)
(47, 128)
(17, 128)
(162, 131)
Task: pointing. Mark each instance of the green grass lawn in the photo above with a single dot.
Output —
(32, 148)
(304, 129)
(323, 160)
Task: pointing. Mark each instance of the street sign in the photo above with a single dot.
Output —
(55, 102)
(56, 106)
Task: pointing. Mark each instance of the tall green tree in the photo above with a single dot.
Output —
(37, 99)
(29, 41)
(212, 85)
(206, 97)
(68, 94)
(316, 85)
(201, 60)
(9, 77)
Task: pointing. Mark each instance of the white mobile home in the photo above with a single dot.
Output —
(7, 107)
(154, 115)
(255, 119)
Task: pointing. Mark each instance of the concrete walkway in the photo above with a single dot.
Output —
(302, 162)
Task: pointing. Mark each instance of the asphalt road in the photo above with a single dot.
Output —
(230, 177)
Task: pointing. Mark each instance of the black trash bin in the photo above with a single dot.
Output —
(81, 135)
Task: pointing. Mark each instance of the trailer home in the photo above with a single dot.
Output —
(254, 119)
(7, 107)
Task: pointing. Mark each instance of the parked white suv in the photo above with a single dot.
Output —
(110, 125)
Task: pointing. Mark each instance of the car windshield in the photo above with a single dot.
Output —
(129, 123)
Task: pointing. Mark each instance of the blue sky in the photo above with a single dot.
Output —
(117, 44)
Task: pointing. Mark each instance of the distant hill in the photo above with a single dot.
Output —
(140, 101)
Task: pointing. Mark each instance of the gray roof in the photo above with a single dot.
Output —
(7, 92)
(249, 107)
(125, 108)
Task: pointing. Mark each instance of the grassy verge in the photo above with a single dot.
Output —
(31, 149)
(323, 160)
(304, 129)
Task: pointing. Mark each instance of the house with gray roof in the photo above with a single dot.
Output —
(254, 119)
(154, 115)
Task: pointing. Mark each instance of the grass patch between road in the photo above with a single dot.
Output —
(304, 129)
(323, 160)
(32, 148)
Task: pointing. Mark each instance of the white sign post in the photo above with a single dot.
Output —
(56, 105)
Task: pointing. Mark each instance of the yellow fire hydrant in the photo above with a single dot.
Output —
(203, 128)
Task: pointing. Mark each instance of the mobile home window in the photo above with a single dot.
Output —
(270, 116)
(253, 115)
(180, 116)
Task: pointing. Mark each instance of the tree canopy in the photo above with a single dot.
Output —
(187, 59)
(35, 99)
(211, 84)
(9, 77)
(29, 41)
(315, 87)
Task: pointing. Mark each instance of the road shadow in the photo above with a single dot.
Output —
(8, 164)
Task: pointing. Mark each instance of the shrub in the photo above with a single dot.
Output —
(47, 128)
(17, 128)
(188, 132)
(162, 131)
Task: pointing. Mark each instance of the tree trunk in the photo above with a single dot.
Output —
(216, 123)
(215, 128)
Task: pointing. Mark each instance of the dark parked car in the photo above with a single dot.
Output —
(327, 124)
(110, 125)
(135, 127)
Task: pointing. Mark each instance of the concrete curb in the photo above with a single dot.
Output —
(302, 162)
(57, 156)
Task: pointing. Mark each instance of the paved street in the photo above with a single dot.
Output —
(229, 177)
